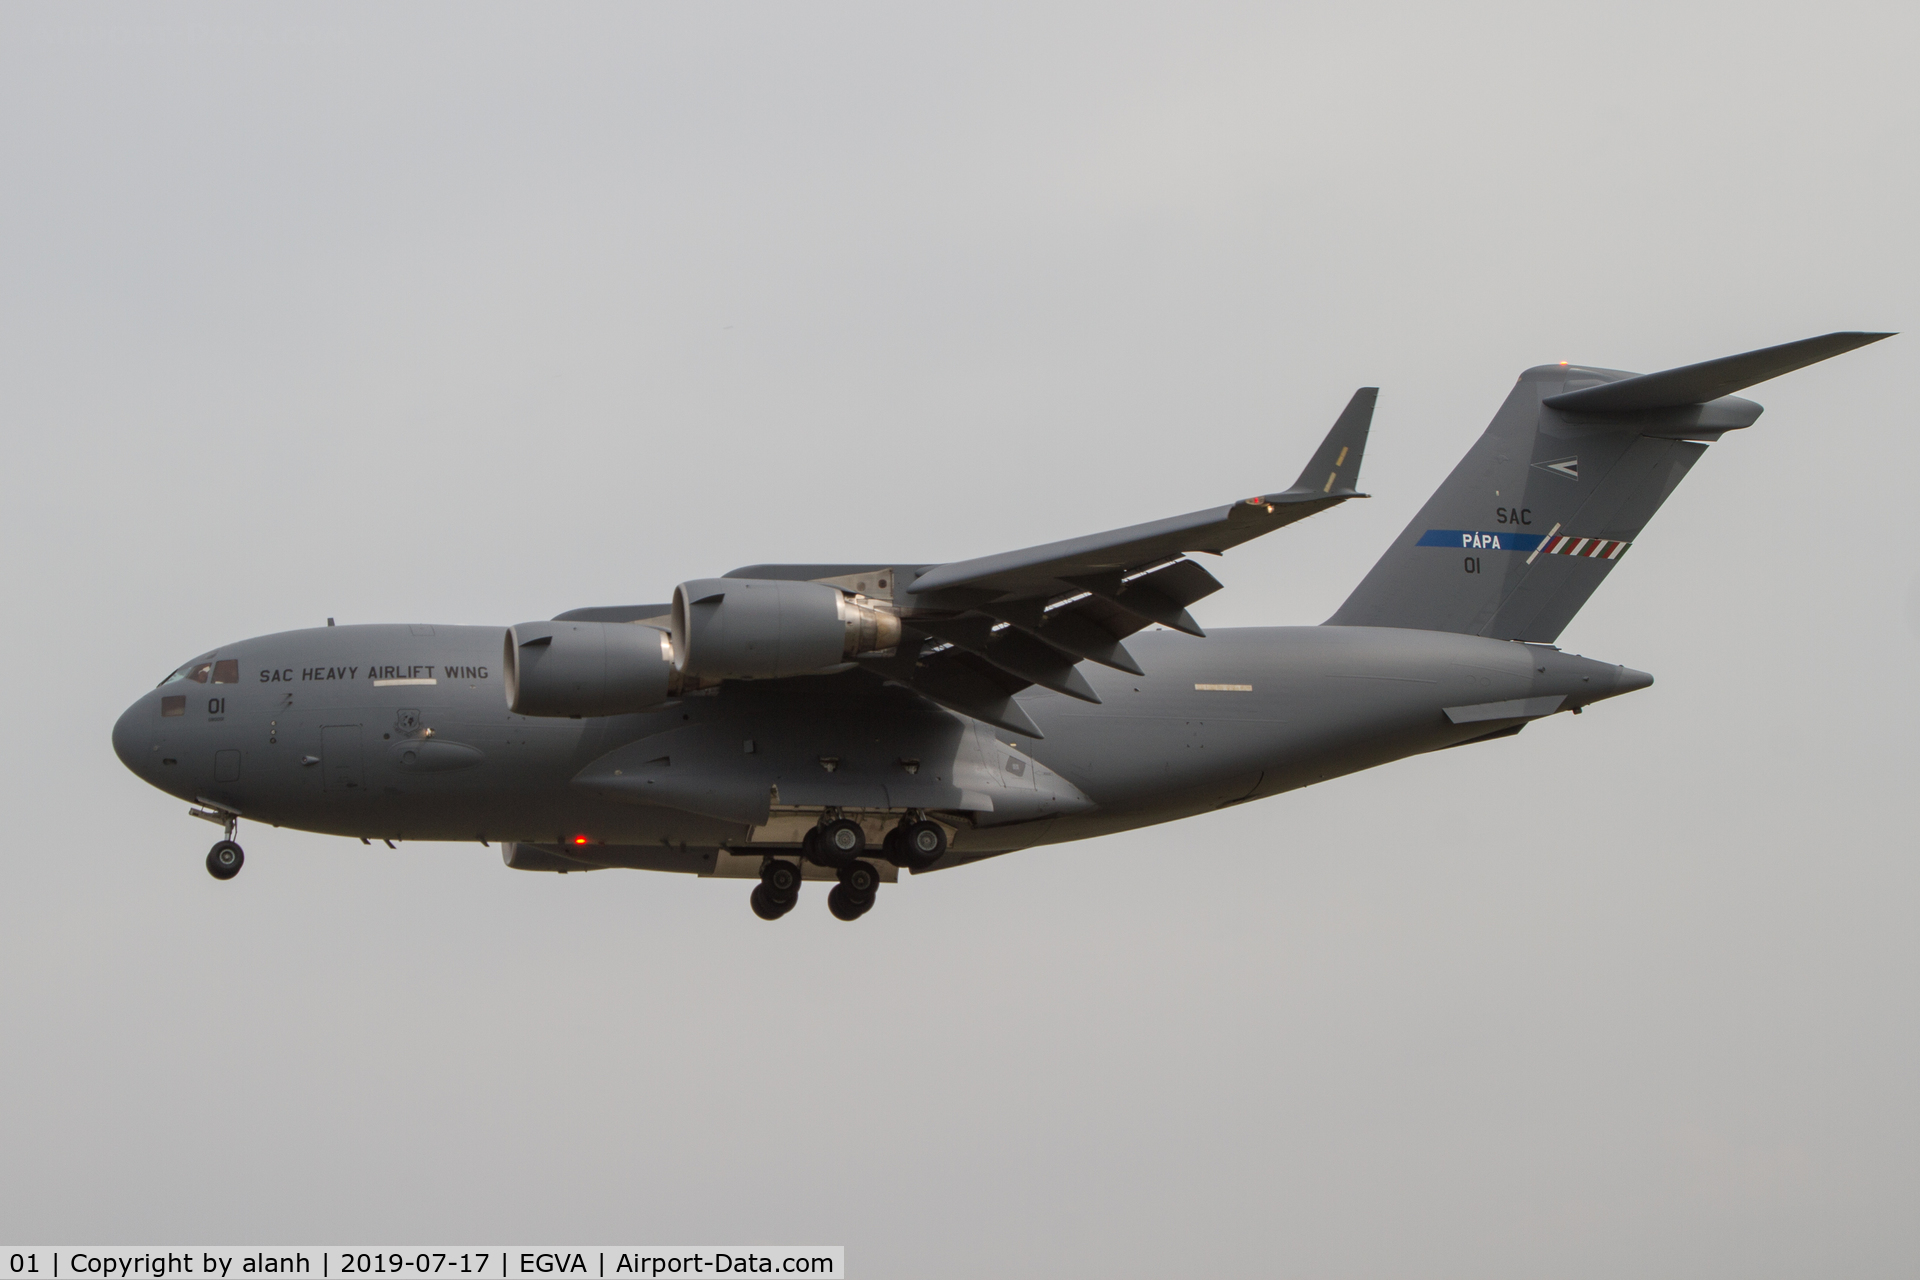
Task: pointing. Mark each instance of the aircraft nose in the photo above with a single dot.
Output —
(127, 738)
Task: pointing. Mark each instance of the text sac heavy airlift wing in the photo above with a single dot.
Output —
(977, 632)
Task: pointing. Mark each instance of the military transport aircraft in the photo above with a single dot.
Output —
(790, 722)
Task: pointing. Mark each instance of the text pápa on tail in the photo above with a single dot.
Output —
(785, 723)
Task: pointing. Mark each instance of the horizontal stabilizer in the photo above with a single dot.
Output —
(1699, 383)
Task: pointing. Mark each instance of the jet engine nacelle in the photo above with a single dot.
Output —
(586, 668)
(756, 628)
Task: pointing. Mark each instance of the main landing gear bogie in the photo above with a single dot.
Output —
(840, 844)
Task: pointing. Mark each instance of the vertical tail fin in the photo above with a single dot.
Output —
(1551, 496)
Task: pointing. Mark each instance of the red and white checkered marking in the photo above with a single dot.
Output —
(1588, 548)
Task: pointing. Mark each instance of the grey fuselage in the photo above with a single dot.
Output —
(403, 733)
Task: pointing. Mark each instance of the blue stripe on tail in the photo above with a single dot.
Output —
(1480, 540)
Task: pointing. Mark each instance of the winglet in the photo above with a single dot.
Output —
(1336, 463)
(1709, 380)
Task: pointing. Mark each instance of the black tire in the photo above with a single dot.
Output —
(844, 905)
(765, 907)
(894, 848)
(837, 843)
(224, 860)
(861, 880)
(781, 880)
(922, 845)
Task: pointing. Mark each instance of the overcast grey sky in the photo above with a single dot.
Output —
(474, 314)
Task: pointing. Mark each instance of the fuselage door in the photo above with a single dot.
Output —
(340, 756)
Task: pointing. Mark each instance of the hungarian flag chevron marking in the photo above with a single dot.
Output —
(1590, 548)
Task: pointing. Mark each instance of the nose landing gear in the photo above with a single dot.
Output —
(226, 858)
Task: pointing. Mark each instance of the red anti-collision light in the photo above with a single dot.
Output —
(579, 839)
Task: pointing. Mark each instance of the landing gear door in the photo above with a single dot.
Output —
(340, 756)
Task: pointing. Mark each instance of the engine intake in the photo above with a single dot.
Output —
(757, 628)
(586, 668)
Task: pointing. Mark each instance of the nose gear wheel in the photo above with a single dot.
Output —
(225, 859)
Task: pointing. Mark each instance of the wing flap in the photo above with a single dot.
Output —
(1015, 651)
(1160, 594)
(964, 682)
(1073, 632)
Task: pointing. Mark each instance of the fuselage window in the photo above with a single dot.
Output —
(174, 706)
(226, 671)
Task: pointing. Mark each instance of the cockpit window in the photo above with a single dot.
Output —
(226, 671)
(197, 671)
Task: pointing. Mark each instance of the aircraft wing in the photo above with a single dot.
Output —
(1062, 566)
(979, 631)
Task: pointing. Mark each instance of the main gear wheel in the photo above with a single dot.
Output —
(778, 890)
(836, 843)
(853, 896)
(915, 845)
